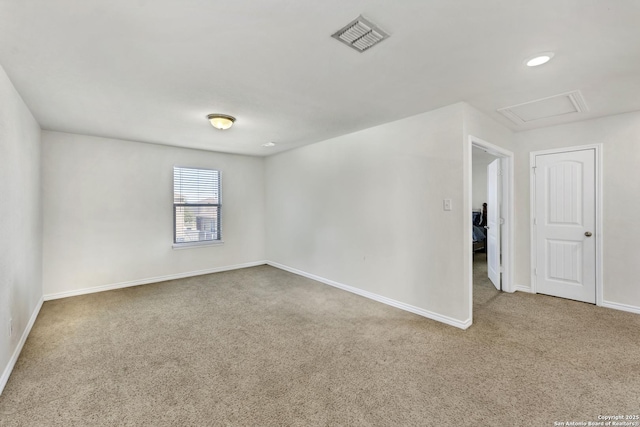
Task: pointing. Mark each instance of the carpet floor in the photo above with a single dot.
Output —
(260, 346)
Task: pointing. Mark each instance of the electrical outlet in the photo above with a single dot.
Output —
(10, 327)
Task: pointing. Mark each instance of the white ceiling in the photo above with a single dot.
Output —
(151, 70)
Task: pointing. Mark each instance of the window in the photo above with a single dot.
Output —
(196, 205)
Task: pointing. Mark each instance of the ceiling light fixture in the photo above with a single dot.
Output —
(539, 59)
(269, 144)
(221, 121)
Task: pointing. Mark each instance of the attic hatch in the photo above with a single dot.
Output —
(360, 34)
(545, 108)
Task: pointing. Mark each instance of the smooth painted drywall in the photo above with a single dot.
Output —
(620, 136)
(366, 210)
(108, 215)
(479, 182)
(21, 219)
(484, 127)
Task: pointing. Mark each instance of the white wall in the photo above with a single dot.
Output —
(20, 224)
(365, 210)
(484, 127)
(620, 136)
(108, 215)
(479, 182)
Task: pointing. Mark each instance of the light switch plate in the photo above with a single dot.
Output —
(446, 204)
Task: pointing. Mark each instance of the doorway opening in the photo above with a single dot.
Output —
(490, 221)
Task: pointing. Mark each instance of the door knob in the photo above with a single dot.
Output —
(587, 233)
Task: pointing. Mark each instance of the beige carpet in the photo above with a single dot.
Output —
(261, 346)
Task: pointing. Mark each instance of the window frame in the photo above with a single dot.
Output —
(200, 243)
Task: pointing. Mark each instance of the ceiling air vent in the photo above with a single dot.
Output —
(360, 34)
(545, 108)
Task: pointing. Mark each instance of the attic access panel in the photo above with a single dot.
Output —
(545, 108)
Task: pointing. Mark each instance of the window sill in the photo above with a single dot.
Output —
(197, 244)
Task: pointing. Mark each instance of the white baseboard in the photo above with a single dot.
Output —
(14, 357)
(622, 307)
(388, 301)
(522, 288)
(606, 304)
(146, 281)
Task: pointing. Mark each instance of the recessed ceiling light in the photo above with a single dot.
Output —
(269, 144)
(539, 59)
(221, 121)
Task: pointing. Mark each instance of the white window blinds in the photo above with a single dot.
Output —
(196, 205)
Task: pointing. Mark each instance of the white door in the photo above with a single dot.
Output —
(493, 222)
(564, 225)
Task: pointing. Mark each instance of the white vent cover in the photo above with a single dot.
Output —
(552, 106)
(360, 34)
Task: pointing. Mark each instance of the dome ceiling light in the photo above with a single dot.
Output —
(221, 121)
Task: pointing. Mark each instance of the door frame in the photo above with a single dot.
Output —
(598, 211)
(507, 231)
